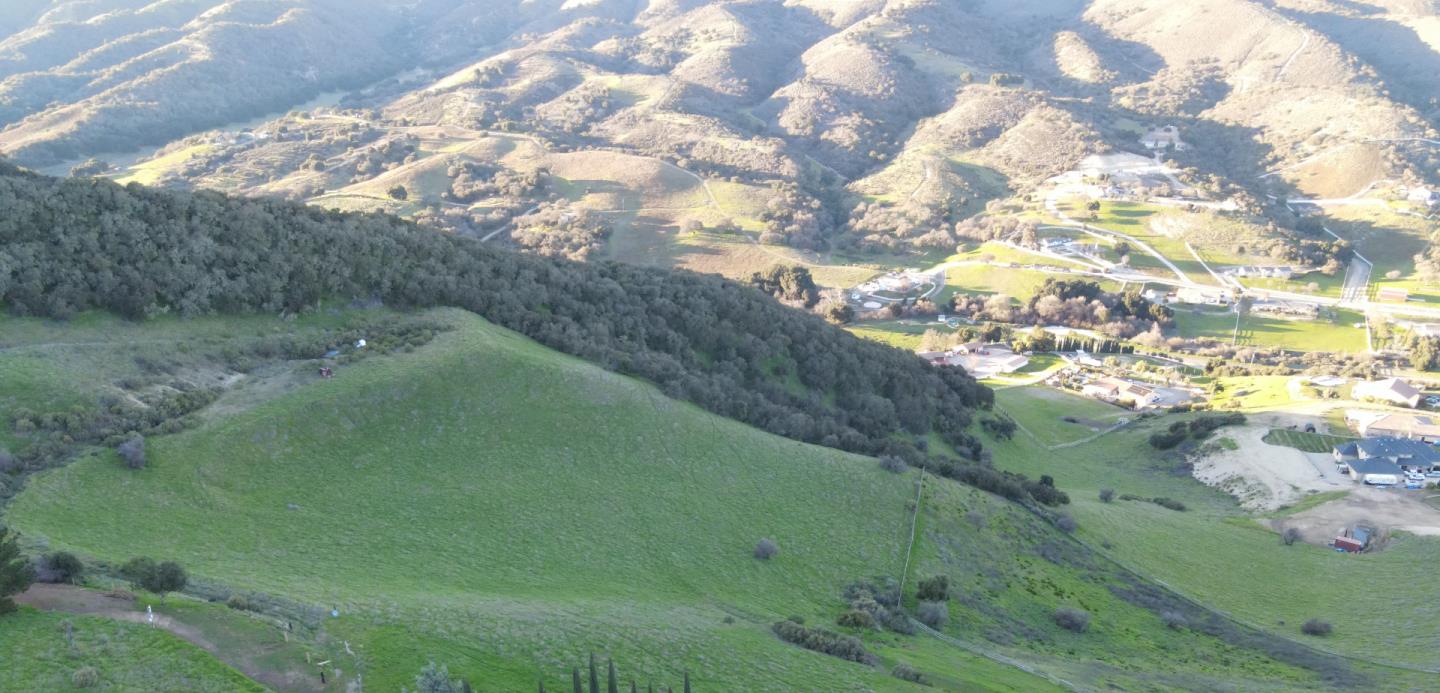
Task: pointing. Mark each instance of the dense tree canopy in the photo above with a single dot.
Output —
(78, 244)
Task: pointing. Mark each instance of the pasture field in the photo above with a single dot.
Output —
(1337, 333)
(902, 334)
(125, 656)
(1040, 411)
(990, 279)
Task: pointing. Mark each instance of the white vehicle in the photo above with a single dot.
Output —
(1414, 476)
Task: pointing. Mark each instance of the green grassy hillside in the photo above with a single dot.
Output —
(1217, 553)
(489, 504)
(486, 503)
(487, 494)
(125, 656)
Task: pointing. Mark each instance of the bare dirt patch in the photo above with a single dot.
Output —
(1385, 509)
(1265, 477)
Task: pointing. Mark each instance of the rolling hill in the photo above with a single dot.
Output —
(930, 108)
(488, 503)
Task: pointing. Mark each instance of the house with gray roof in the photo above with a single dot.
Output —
(1381, 456)
(1375, 471)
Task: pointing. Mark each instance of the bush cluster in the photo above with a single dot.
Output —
(823, 641)
(1196, 428)
(881, 600)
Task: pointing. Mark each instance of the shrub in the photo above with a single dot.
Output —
(856, 618)
(766, 549)
(1290, 536)
(1066, 524)
(1045, 493)
(1073, 620)
(161, 578)
(64, 566)
(1169, 438)
(1169, 503)
(892, 464)
(137, 568)
(935, 589)
(1174, 620)
(16, 573)
(823, 641)
(8, 463)
(238, 602)
(1001, 427)
(1107, 495)
(905, 672)
(976, 519)
(85, 677)
(132, 452)
(1316, 627)
(934, 614)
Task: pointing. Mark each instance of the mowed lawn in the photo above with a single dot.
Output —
(488, 497)
(38, 656)
(1307, 442)
(1339, 334)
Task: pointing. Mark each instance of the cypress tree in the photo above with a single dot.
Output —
(542, 687)
(633, 689)
(687, 682)
(611, 686)
(594, 676)
(575, 679)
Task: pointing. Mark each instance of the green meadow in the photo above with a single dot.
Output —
(43, 652)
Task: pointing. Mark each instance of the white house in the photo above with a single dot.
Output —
(1422, 195)
(1204, 296)
(1121, 391)
(1163, 137)
(1392, 390)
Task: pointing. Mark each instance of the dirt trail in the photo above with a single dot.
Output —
(74, 600)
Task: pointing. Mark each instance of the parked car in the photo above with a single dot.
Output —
(1415, 476)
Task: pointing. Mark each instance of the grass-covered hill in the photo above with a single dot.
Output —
(484, 502)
